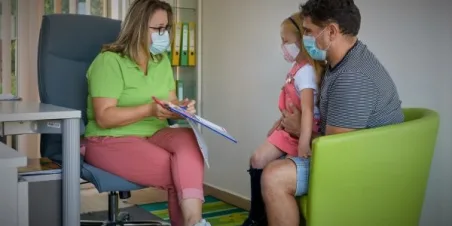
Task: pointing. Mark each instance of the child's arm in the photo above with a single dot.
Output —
(307, 115)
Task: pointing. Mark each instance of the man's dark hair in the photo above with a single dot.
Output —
(343, 12)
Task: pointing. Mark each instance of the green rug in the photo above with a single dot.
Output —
(218, 213)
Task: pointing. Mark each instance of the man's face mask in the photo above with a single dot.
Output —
(310, 44)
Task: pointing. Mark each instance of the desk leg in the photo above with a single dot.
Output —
(71, 172)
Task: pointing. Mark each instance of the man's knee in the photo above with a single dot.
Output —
(279, 175)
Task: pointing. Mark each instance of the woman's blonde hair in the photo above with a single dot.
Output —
(294, 24)
(134, 36)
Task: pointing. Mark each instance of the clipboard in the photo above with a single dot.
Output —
(195, 118)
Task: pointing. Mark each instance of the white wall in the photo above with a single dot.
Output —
(243, 70)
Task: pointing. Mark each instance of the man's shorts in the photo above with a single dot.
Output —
(302, 165)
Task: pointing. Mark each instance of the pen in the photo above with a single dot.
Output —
(165, 105)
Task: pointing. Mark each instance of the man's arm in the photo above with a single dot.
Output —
(351, 102)
(331, 130)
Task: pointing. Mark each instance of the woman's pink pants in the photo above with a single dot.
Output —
(170, 160)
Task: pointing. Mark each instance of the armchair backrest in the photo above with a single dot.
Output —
(68, 44)
(373, 176)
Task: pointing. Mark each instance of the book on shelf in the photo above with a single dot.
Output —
(39, 166)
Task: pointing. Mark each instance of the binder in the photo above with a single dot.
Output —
(175, 56)
(184, 49)
(168, 52)
(180, 90)
(192, 44)
(170, 47)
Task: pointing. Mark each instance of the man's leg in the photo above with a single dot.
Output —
(279, 185)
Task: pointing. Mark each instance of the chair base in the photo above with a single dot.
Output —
(115, 218)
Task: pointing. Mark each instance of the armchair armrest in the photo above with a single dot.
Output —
(374, 172)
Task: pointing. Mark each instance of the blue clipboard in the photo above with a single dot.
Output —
(195, 118)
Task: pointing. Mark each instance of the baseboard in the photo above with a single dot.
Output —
(227, 196)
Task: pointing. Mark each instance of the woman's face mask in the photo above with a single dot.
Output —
(160, 43)
(290, 52)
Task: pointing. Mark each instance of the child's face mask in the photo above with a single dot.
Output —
(290, 52)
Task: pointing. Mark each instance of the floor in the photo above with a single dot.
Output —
(92, 201)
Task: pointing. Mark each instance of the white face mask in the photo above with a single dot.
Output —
(290, 52)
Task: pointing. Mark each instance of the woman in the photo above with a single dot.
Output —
(127, 133)
(299, 91)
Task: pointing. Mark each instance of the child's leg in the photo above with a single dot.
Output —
(266, 153)
(261, 157)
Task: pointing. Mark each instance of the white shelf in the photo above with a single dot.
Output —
(189, 11)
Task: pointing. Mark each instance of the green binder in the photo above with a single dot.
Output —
(184, 48)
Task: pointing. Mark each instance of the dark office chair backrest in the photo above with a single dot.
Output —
(68, 44)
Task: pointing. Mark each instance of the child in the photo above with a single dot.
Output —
(299, 90)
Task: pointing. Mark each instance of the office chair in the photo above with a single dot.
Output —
(68, 44)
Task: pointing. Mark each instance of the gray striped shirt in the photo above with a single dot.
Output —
(358, 93)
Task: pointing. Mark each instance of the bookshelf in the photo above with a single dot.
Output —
(187, 71)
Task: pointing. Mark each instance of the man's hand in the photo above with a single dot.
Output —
(291, 121)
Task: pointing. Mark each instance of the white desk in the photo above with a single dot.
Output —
(10, 159)
(19, 117)
(13, 138)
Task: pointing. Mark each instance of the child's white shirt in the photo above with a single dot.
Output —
(305, 79)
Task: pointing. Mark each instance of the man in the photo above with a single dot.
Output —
(356, 93)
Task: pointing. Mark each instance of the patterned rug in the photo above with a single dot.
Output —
(218, 213)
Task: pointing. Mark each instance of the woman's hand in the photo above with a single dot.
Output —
(291, 122)
(190, 106)
(161, 112)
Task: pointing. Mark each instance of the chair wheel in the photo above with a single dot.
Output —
(124, 217)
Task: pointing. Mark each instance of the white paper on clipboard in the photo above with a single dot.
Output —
(201, 142)
(198, 120)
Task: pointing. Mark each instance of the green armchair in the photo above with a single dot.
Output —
(372, 177)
